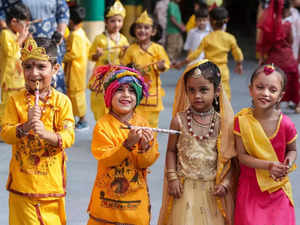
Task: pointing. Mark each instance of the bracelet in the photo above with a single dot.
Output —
(171, 171)
(172, 177)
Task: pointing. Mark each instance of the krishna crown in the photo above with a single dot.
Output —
(116, 9)
(145, 18)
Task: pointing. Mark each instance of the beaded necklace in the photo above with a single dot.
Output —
(203, 114)
(210, 129)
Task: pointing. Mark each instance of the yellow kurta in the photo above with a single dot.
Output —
(216, 46)
(120, 194)
(143, 61)
(37, 169)
(11, 76)
(111, 56)
(75, 70)
(191, 23)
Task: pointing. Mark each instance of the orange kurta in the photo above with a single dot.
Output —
(120, 192)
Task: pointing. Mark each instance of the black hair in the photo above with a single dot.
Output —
(18, 11)
(77, 14)
(287, 4)
(219, 15)
(209, 71)
(277, 69)
(50, 46)
(158, 30)
(202, 13)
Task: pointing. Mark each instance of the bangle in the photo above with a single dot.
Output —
(171, 170)
(172, 176)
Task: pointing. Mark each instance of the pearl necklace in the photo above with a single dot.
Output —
(210, 129)
(203, 114)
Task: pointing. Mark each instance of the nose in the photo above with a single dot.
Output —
(266, 92)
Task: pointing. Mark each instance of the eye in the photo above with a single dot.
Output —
(26, 66)
(273, 90)
(259, 87)
(204, 90)
(191, 90)
(131, 89)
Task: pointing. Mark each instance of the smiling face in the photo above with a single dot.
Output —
(201, 23)
(201, 93)
(114, 23)
(39, 70)
(143, 32)
(124, 100)
(266, 90)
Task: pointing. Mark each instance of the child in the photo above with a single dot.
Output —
(198, 161)
(11, 41)
(196, 35)
(107, 48)
(120, 194)
(174, 28)
(266, 145)
(275, 46)
(75, 65)
(216, 46)
(39, 124)
(151, 59)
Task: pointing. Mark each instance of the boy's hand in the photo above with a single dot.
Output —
(34, 113)
(161, 65)
(182, 28)
(39, 129)
(175, 188)
(145, 141)
(177, 65)
(99, 52)
(239, 68)
(134, 137)
(220, 190)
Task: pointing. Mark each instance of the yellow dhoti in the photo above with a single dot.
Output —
(31, 211)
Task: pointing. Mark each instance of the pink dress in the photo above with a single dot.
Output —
(254, 207)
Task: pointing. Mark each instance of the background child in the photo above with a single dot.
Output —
(275, 46)
(107, 48)
(75, 65)
(196, 35)
(216, 46)
(266, 145)
(174, 28)
(11, 40)
(196, 179)
(39, 125)
(120, 194)
(150, 58)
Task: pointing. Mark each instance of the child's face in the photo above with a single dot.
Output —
(143, 32)
(39, 70)
(201, 93)
(114, 23)
(124, 100)
(201, 23)
(266, 90)
(19, 26)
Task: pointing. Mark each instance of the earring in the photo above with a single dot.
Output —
(216, 100)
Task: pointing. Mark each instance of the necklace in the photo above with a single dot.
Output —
(210, 129)
(203, 114)
(31, 103)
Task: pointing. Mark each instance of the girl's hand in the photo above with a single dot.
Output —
(175, 188)
(277, 170)
(220, 190)
(239, 68)
(146, 139)
(161, 65)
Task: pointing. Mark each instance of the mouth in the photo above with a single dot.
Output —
(125, 102)
(263, 100)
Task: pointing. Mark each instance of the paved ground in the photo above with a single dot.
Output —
(82, 165)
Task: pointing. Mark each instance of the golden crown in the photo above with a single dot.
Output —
(145, 18)
(31, 50)
(116, 9)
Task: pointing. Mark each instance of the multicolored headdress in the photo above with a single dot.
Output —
(32, 51)
(109, 78)
(144, 18)
(116, 9)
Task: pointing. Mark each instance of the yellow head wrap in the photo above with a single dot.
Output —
(32, 51)
(116, 9)
(144, 18)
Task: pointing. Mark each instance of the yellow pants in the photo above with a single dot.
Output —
(132, 12)
(151, 116)
(78, 101)
(30, 211)
(98, 105)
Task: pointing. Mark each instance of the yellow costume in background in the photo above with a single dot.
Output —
(75, 61)
(191, 23)
(216, 46)
(120, 194)
(11, 75)
(144, 61)
(37, 176)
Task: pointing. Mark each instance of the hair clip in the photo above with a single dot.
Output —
(197, 73)
(268, 69)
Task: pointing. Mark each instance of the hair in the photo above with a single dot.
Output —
(158, 30)
(277, 69)
(210, 72)
(202, 13)
(287, 4)
(18, 11)
(219, 15)
(77, 14)
(50, 46)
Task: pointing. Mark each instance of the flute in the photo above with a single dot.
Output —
(37, 92)
(158, 130)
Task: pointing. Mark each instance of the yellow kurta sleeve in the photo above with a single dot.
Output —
(105, 150)
(8, 132)
(146, 159)
(195, 54)
(162, 55)
(191, 23)
(236, 51)
(95, 44)
(9, 45)
(127, 57)
(74, 44)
